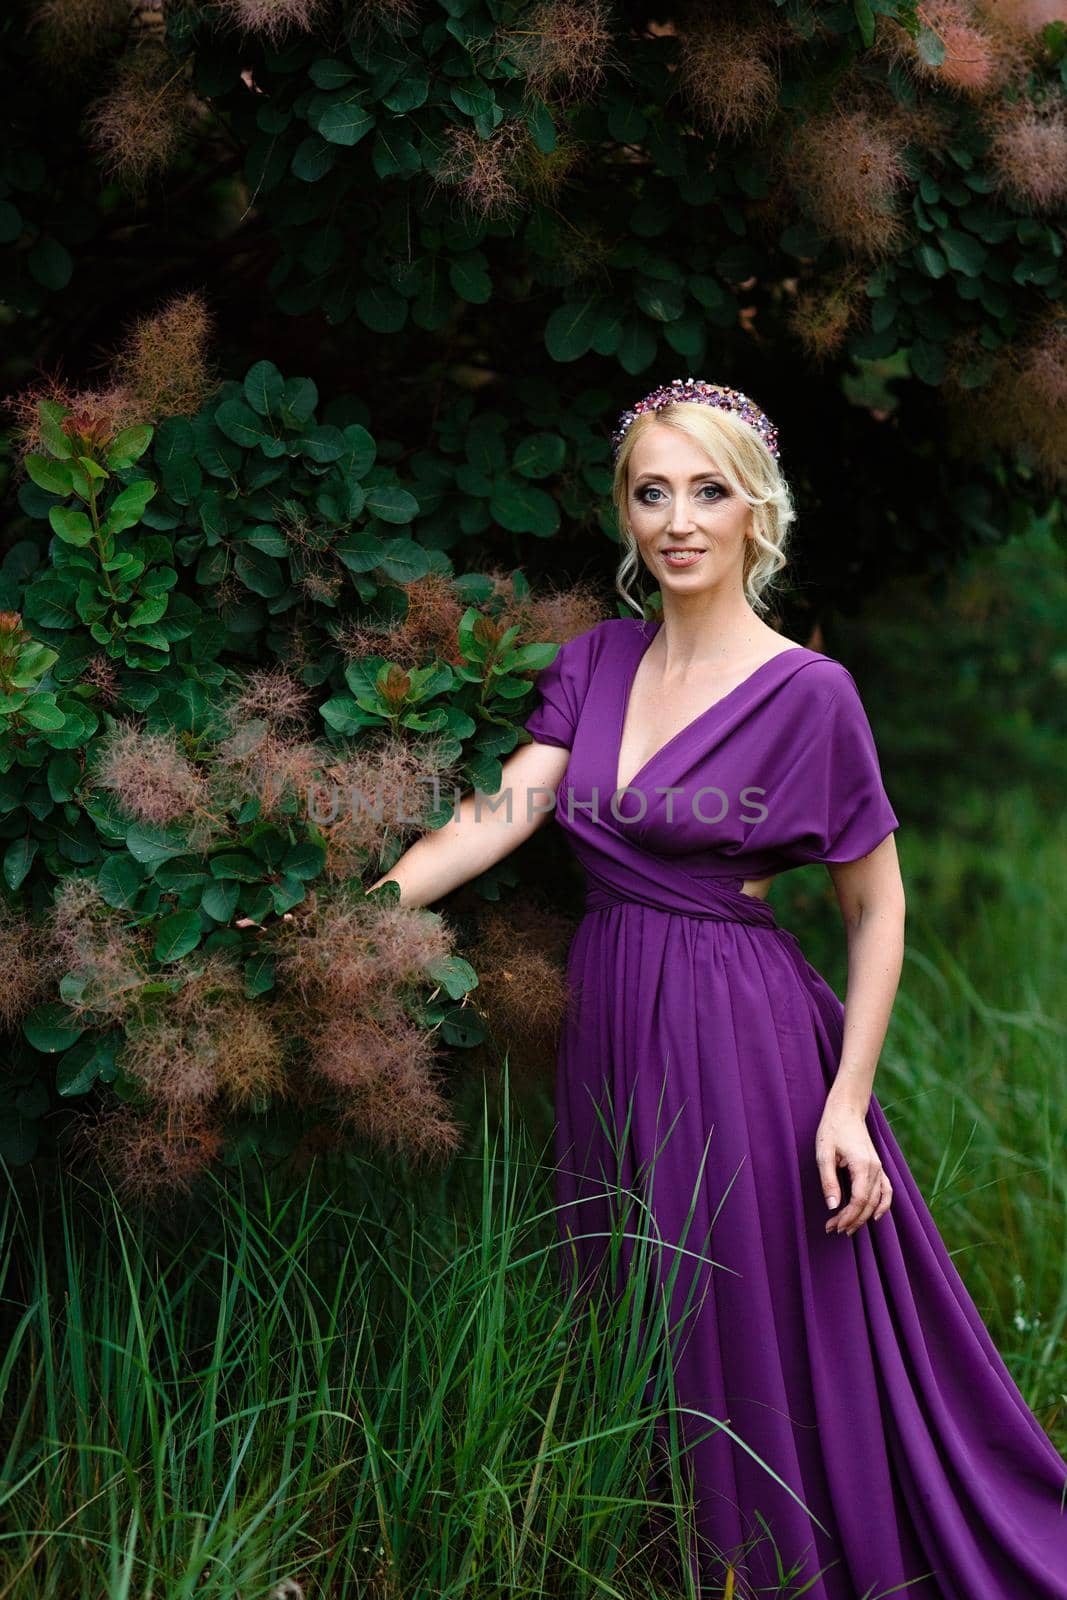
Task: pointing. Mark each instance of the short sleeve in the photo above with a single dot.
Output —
(843, 810)
(560, 690)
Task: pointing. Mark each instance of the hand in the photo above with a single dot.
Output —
(250, 922)
(842, 1140)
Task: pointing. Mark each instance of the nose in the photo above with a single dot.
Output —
(681, 518)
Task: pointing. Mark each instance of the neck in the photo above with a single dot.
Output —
(709, 627)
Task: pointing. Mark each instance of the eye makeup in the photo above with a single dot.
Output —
(641, 494)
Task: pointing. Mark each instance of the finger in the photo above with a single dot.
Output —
(847, 1217)
(866, 1192)
(839, 1216)
(824, 1159)
(861, 1187)
(886, 1200)
(872, 1191)
(876, 1193)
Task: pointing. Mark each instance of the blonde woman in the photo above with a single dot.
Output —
(708, 1067)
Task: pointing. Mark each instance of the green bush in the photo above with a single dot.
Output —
(480, 229)
(147, 812)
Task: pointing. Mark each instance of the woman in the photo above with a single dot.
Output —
(707, 1067)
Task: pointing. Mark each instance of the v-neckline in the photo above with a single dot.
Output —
(693, 722)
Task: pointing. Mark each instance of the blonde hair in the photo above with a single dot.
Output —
(751, 472)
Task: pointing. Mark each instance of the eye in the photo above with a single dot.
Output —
(650, 488)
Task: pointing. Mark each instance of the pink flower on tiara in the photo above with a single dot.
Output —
(701, 393)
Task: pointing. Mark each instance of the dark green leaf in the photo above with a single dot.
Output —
(239, 864)
(219, 900)
(10, 222)
(50, 262)
(390, 503)
(175, 438)
(323, 443)
(410, 92)
(346, 119)
(304, 860)
(50, 601)
(539, 455)
(51, 1027)
(963, 252)
(263, 388)
(928, 361)
(360, 551)
(932, 261)
(183, 480)
(520, 507)
(82, 1064)
(120, 880)
(299, 401)
(148, 611)
(241, 424)
(687, 336)
(361, 451)
(127, 508)
(394, 155)
(469, 277)
(46, 473)
(381, 308)
(569, 330)
(313, 158)
(344, 716)
(404, 561)
(18, 859)
(327, 73)
(176, 935)
(454, 975)
(473, 98)
(259, 572)
(541, 125)
(637, 347)
(607, 331)
(73, 527)
(129, 446)
(41, 711)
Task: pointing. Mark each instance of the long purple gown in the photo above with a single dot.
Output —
(703, 1042)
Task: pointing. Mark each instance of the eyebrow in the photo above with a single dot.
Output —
(645, 477)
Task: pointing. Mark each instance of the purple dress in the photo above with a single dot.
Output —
(694, 1062)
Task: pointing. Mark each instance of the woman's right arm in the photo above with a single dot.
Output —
(483, 829)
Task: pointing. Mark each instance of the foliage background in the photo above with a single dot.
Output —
(318, 319)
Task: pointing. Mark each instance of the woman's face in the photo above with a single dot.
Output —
(676, 497)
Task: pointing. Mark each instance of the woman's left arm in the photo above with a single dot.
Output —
(871, 896)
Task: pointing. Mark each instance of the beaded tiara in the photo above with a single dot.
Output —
(695, 390)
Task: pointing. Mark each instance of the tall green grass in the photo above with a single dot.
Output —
(345, 1382)
(370, 1381)
(974, 1074)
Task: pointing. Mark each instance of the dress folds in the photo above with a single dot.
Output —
(693, 1068)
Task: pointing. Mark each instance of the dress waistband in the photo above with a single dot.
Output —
(715, 899)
